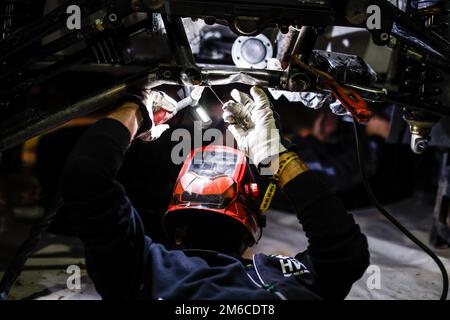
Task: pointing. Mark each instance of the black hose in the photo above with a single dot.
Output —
(391, 219)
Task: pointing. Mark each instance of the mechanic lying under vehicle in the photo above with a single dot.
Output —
(206, 262)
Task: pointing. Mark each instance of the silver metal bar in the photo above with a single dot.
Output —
(264, 78)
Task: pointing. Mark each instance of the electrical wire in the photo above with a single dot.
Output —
(393, 220)
(216, 95)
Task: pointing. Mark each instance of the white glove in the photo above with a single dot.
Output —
(154, 133)
(252, 123)
(160, 109)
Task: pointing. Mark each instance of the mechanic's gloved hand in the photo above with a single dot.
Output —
(253, 125)
(156, 108)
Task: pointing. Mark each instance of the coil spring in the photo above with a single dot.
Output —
(419, 78)
(114, 46)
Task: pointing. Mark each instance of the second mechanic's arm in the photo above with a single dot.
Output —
(337, 249)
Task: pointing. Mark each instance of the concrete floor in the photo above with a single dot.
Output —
(405, 271)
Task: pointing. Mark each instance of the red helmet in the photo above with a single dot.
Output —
(217, 180)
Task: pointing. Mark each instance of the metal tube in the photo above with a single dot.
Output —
(40, 125)
(178, 41)
(182, 51)
(305, 43)
(52, 121)
(264, 78)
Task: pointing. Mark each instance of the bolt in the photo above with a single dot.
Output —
(112, 17)
(421, 146)
(167, 74)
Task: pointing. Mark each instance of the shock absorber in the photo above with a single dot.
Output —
(421, 80)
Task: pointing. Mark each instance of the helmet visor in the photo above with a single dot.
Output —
(209, 180)
(212, 164)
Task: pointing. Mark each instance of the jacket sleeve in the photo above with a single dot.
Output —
(102, 215)
(337, 250)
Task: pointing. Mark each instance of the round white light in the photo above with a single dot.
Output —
(252, 52)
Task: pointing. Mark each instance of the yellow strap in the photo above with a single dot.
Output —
(272, 188)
